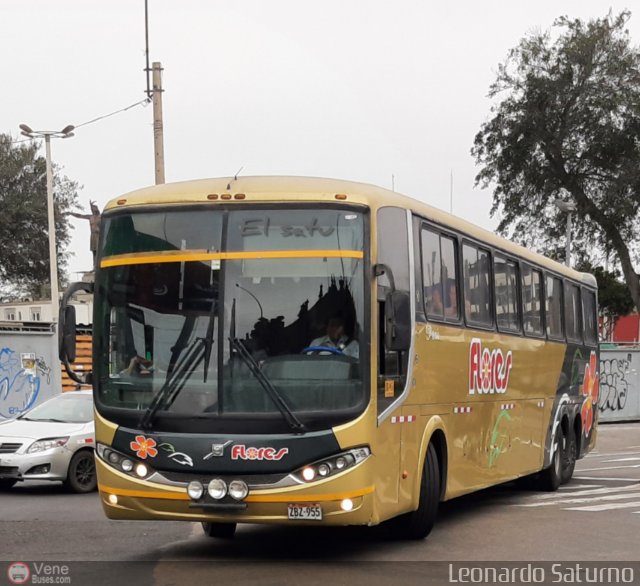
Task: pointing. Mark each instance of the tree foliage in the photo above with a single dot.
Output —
(567, 127)
(24, 262)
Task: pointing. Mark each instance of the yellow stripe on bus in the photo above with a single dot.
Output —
(255, 498)
(138, 258)
(147, 494)
(307, 498)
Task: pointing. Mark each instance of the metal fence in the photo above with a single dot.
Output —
(619, 398)
(29, 367)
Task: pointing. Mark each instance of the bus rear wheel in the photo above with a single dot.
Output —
(568, 456)
(551, 478)
(219, 530)
(418, 523)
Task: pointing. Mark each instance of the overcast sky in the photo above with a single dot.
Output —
(364, 90)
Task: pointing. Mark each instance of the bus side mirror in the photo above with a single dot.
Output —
(397, 331)
(67, 331)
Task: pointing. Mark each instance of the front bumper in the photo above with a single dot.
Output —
(18, 466)
(125, 497)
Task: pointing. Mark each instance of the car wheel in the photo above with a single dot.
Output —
(81, 476)
(220, 530)
(7, 483)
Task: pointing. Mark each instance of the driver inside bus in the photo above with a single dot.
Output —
(336, 337)
(138, 366)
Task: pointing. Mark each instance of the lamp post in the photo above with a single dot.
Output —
(66, 132)
(568, 207)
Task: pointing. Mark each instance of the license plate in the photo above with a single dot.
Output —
(305, 512)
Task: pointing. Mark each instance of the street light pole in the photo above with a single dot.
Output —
(66, 132)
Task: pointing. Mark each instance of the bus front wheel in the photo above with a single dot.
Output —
(418, 523)
(220, 530)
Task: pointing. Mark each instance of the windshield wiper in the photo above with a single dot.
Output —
(289, 416)
(175, 382)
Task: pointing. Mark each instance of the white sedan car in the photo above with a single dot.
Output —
(53, 441)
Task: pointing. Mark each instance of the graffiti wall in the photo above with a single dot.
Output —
(29, 371)
(619, 398)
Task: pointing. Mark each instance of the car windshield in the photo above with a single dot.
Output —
(66, 408)
(179, 290)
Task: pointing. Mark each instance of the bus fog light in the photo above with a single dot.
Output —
(113, 499)
(308, 474)
(141, 470)
(127, 465)
(238, 489)
(346, 505)
(324, 470)
(217, 489)
(195, 489)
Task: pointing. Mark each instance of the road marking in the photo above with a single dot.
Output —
(609, 468)
(607, 478)
(611, 454)
(598, 508)
(574, 486)
(589, 499)
(631, 459)
(595, 491)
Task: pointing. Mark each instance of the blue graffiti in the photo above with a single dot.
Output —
(18, 389)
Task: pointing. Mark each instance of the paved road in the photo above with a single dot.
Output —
(594, 518)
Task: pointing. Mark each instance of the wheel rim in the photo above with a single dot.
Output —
(85, 471)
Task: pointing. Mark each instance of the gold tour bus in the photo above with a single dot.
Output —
(314, 351)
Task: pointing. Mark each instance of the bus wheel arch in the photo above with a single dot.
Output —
(434, 433)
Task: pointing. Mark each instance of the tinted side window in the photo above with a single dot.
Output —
(532, 301)
(506, 288)
(439, 276)
(590, 322)
(477, 286)
(553, 307)
(572, 312)
(431, 274)
(393, 250)
(449, 278)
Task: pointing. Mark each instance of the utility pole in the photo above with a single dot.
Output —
(158, 131)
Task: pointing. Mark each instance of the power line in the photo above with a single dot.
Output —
(140, 103)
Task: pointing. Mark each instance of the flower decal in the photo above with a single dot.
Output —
(144, 446)
(590, 388)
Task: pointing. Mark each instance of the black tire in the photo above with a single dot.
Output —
(219, 530)
(81, 476)
(418, 523)
(569, 454)
(551, 478)
(7, 483)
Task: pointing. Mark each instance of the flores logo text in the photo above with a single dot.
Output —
(488, 369)
(242, 452)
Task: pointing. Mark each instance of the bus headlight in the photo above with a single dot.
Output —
(195, 490)
(217, 489)
(123, 463)
(333, 465)
(238, 489)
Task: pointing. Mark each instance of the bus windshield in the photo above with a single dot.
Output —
(232, 315)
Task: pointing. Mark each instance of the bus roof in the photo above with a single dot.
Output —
(309, 189)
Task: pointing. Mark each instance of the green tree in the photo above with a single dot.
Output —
(24, 262)
(567, 126)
